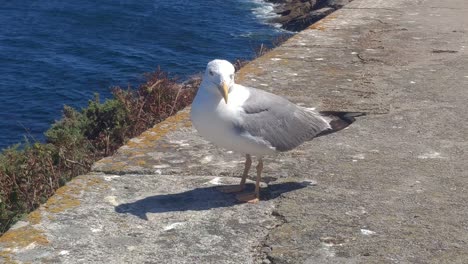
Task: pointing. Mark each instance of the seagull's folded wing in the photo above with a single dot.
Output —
(277, 121)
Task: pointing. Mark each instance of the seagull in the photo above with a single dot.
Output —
(254, 122)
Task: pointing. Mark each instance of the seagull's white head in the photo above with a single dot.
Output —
(219, 76)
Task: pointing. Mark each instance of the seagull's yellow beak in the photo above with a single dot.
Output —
(224, 90)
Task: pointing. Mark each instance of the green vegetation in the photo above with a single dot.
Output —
(29, 174)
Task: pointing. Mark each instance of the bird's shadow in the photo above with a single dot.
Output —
(199, 199)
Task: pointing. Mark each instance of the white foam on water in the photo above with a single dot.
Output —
(264, 10)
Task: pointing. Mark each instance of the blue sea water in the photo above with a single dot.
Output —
(58, 52)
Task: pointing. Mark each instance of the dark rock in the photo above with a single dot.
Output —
(296, 15)
(337, 3)
(303, 21)
(294, 9)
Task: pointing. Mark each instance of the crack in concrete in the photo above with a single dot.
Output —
(281, 221)
(264, 249)
(378, 20)
(369, 60)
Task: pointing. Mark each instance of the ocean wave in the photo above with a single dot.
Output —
(264, 11)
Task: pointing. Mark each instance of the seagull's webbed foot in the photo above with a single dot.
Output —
(247, 198)
(231, 188)
(253, 197)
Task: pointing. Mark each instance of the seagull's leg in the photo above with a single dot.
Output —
(255, 196)
(248, 164)
(241, 186)
(259, 176)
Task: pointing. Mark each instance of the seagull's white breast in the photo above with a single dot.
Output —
(215, 121)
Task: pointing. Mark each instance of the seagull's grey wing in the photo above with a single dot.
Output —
(276, 120)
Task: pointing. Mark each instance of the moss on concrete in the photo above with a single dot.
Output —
(20, 238)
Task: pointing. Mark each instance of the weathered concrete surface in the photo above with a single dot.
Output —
(392, 188)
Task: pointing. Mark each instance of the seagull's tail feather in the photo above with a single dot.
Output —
(339, 120)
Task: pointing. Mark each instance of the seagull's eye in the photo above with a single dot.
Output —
(211, 73)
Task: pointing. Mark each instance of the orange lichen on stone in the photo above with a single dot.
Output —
(93, 181)
(105, 160)
(317, 26)
(137, 154)
(5, 255)
(64, 198)
(71, 189)
(248, 69)
(320, 25)
(188, 124)
(60, 204)
(149, 137)
(20, 238)
(141, 162)
(125, 150)
(35, 217)
(132, 144)
(116, 166)
(23, 237)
